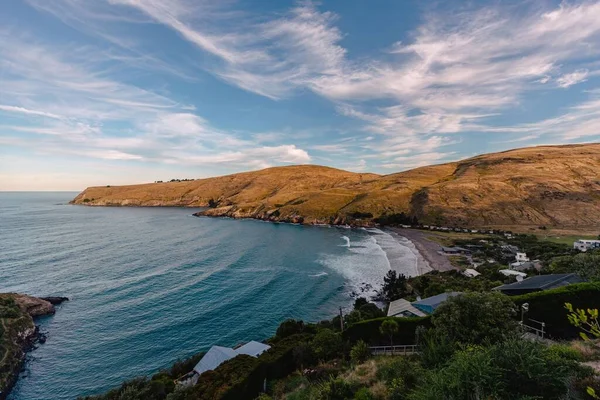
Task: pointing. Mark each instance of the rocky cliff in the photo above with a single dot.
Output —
(554, 186)
(17, 333)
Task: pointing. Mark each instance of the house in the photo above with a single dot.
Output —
(455, 250)
(524, 266)
(470, 273)
(539, 283)
(429, 304)
(509, 249)
(217, 355)
(585, 245)
(403, 308)
(521, 257)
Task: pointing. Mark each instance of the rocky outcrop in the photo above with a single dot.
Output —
(18, 333)
(551, 186)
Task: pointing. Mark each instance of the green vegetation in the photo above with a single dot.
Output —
(14, 323)
(587, 265)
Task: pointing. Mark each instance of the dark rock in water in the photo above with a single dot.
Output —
(55, 300)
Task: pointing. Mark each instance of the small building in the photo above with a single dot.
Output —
(528, 265)
(521, 257)
(455, 250)
(585, 245)
(470, 273)
(429, 304)
(252, 348)
(539, 283)
(403, 308)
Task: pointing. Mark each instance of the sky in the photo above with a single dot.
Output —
(110, 92)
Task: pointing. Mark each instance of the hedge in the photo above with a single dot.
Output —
(368, 331)
(549, 306)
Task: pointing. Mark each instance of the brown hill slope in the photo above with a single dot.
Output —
(551, 185)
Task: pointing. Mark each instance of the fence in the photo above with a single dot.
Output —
(401, 350)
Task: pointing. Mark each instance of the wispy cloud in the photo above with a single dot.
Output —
(573, 78)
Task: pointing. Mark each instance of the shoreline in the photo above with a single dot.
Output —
(428, 249)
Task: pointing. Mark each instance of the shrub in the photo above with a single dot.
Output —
(289, 327)
(327, 344)
(360, 352)
(363, 394)
(476, 318)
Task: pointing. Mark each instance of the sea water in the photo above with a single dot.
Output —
(148, 286)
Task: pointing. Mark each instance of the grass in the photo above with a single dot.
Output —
(566, 239)
(448, 238)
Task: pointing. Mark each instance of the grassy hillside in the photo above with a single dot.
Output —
(553, 186)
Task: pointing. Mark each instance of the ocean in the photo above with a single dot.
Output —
(148, 286)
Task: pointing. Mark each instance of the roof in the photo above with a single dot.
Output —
(508, 272)
(435, 301)
(400, 306)
(470, 272)
(253, 348)
(542, 282)
(213, 358)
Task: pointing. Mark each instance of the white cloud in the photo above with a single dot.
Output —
(573, 78)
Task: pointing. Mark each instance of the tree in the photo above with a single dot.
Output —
(476, 318)
(289, 327)
(360, 352)
(588, 322)
(394, 286)
(359, 302)
(389, 328)
(327, 344)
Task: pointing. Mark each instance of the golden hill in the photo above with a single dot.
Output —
(554, 186)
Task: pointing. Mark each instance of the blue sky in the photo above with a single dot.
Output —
(126, 91)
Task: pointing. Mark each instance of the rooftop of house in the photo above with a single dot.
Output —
(400, 306)
(218, 355)
(435, 301)
(541, 282)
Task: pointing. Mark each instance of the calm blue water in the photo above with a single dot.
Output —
(151, 285)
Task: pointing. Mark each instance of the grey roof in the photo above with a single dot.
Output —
(397, 307)
(213, 358)
(542, 282)
(253, 348)
(435, 301)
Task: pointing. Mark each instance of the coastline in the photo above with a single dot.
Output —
(427, 249)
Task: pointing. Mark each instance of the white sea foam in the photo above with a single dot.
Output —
(363, 265)
(319, 274)
(347, 239)
(401, 253)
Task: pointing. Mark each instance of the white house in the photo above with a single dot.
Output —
(521, 257)
(471, 273)
(509, 272)
(585, 245)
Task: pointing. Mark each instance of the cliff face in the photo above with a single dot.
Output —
(552, 185)
(17, 333)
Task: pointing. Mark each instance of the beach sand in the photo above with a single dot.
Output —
(428, 249)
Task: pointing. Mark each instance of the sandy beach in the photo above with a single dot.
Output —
(427, 248)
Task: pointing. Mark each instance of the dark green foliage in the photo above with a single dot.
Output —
(476, 318)
(86, 200)
(360, 352)
(586, 265)
(335, 389)
(8, 308)
(435, 282)
(212, 203)
(361, 215)
(327, 344)
(394, 286)
(548, 306)
(289, 327)
(405, 368)
(369, 331)
(397, 219)
(514, 369)
(435, 347)
(389, 328)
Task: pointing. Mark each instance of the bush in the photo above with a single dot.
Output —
(360, 352)
(289, 327)
(369, 332)
(476, 318)
(549, 306)
(327, 344)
